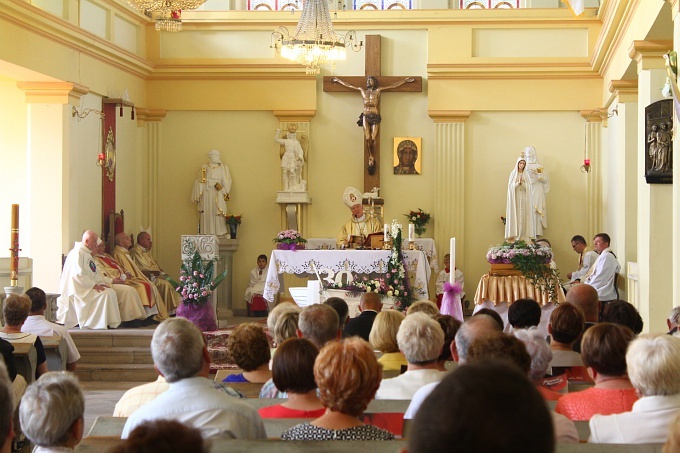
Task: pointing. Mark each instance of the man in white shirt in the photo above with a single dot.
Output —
(420, 339)
(181, 357)
(602, 275)
(586, 258)
(36, 324)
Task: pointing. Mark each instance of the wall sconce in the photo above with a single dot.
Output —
(585, 168)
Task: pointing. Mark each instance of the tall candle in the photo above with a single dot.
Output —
(452, 265)
(411, 232)
(386, 232)
(14, 247)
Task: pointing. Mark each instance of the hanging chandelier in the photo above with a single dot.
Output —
(168, 12)
(314, 42)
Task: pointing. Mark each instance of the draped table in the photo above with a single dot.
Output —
(343, 265)
(498, 292)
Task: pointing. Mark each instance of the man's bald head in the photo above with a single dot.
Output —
(90, 240)
(476, 327)
(585, 297)
(370, 301)
(123, 240)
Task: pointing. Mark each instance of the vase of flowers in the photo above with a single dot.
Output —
(418, 218)
(290, 240)
(531, 260)
(196, 285)
(233, 221)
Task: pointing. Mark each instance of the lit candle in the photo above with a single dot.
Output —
(411, 232)
(452, 265)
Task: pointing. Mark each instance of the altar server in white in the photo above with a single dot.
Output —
(85, 299)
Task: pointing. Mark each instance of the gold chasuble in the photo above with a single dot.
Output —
(147, 264)
(147, 291)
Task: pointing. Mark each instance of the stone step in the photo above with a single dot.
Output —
(119, 338)
(113, 355)
(116, 372)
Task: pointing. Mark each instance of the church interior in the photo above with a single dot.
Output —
(494, 81)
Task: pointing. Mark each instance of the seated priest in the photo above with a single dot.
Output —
(115, 273)
(139, 262)
(86, 300)
(357, 229)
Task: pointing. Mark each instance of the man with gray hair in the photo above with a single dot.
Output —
(180, 355)
(673, 320)
(319, 323)
(420, 339)
(476, 327)
(52, 412)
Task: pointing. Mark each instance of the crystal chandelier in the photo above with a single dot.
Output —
(314, 42)
(168, 12)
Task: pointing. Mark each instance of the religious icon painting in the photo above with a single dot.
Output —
(407, 155)
(659, 142)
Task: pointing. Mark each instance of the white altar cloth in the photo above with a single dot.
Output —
(343, 264)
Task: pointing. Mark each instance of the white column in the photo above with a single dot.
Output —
(49, 151)
(151, 120)
(594, 178)
(624, 144)
(655, 201)
(449, 199)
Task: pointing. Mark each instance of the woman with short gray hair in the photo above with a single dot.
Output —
(51, 412)
(653, 363)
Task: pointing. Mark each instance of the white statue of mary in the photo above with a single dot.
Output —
(540, 185)
(518, 211)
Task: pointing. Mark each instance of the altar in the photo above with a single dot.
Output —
(339, 266)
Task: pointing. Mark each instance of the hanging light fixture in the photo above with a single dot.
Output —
(168, 12)
(314, 42)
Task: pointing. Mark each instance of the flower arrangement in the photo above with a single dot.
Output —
(418, 218)
(531, 260)
(395, 284)
(233, 219)
(196, 280)
(289, 239)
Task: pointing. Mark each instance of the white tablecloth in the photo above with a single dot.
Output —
(425, 245)
(343, 265)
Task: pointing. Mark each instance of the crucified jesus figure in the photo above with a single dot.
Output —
(370, 117)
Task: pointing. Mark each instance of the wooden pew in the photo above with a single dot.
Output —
(26, 359)
(99, 444)
(55, 352)
(375, 406)
(107, 427)
(249, 389)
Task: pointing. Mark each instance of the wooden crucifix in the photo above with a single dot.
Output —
(370, 118)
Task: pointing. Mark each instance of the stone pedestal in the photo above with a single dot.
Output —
(293, 202)
(222, 297)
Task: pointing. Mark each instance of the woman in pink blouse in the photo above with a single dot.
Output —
(604, 354)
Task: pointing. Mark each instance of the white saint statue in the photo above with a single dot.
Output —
(211, 192)
(518, 218)
(540, 185)
(292, 159)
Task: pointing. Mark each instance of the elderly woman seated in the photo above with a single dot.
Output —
(15, 311)
(383, 337)
(293, 373)
(248, 346)
(604, 353)
(541, 355)
(52, 412)
(348, 376)
(653, 363)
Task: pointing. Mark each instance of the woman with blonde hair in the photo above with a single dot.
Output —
(347, 375)
(383, 337)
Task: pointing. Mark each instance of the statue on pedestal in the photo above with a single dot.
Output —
(293, 153)
(526, 215)
(211, 192)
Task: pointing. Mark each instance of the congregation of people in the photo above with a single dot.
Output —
(325, 366)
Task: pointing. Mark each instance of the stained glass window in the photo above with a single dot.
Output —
(382, 4)
(488, 4)
(273, 5)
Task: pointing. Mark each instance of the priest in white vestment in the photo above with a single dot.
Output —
(211, 192)
(84, 299)
(359, 225)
